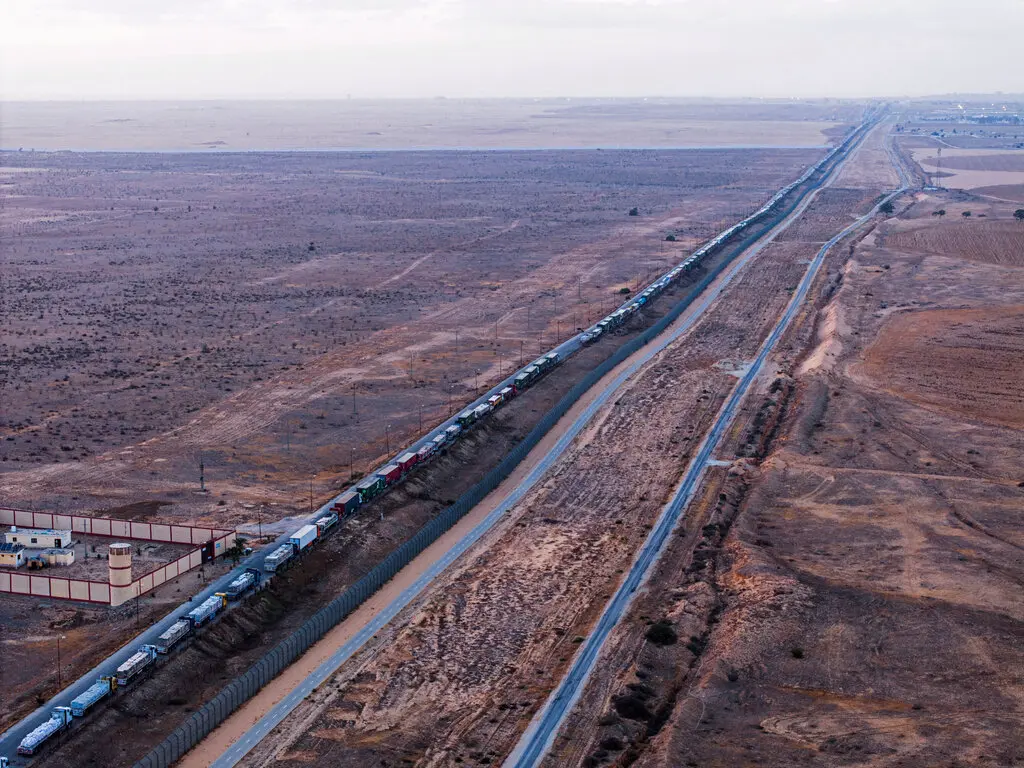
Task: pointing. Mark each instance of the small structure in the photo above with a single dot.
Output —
(58, 556)
(38, 538)
(12, 555)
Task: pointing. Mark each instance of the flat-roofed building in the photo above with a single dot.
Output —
(38, 538)
(12, 555)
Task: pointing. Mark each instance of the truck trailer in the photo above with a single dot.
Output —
(59, 720)
(132, 668)
(173, 636)
(347, 504)
(279, 557)
(370, 487)
(303, 537)
(325, 523)
(93, 695)
(207, 609)
(242, 583)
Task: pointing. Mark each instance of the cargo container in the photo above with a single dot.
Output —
(174, 634)
(508, 393)
(278, 557)
(93, 695)
(347, 504)
(407, 461)
(59, 720)
(522, 381)
(440, 441)
(370, 487)
(452, 433)
(207, 609)
(325, 523)
(132, 668)
(242, 584)
(466, 418)
(303, 537)
(552, 358)
(494, 401)
(532, 372)
(392, 473)
(482, 410)
(424, 453)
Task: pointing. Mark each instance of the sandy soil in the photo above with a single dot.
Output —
(139, 341)
(405, 124)
(852, 597)
(458, 682)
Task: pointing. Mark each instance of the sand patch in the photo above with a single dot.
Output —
(967, 362)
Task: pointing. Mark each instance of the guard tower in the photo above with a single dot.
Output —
(120, 573)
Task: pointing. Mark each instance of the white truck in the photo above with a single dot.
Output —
(303, 537)
(59, 720)
(172, 635)
(132, 668)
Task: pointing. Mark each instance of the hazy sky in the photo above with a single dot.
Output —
(98, 49)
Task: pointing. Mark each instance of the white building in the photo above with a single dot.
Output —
(12, 555)
(38, 538)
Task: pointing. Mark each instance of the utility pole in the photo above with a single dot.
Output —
(520, 353)
(311, 494)
(421, 417)
(351, 461)
(387, 439)
(259, 520)
(59, 683)
(202, 478)
(579, 287)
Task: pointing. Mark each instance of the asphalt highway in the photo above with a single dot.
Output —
(537, 739)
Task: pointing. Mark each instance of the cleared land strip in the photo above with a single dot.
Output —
(537, 739)
(355, 632)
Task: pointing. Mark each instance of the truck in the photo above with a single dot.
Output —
(347, 504)
(303, 538)
(172, 636)
(494, 401)
(521, 381)
(482, 410)
(59, 721)
(425, 452)
(278, 557)
(507, 394)
(370, 487)
(207, 609)
(439, 441)
(465, 418)
(452, 433)
(93, 695)
(243, 583)
(407, 461)
(325, 523)
(392, 473)
(132, 668)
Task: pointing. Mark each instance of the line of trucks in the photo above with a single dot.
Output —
(373, 486)
(61, 718)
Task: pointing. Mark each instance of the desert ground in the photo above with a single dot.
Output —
(457, 679)
(847, 592)
(287, 318)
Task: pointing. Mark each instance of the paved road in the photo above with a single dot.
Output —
(537, 739)
(283, 708)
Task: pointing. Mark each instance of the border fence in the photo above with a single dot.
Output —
(205, 719)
